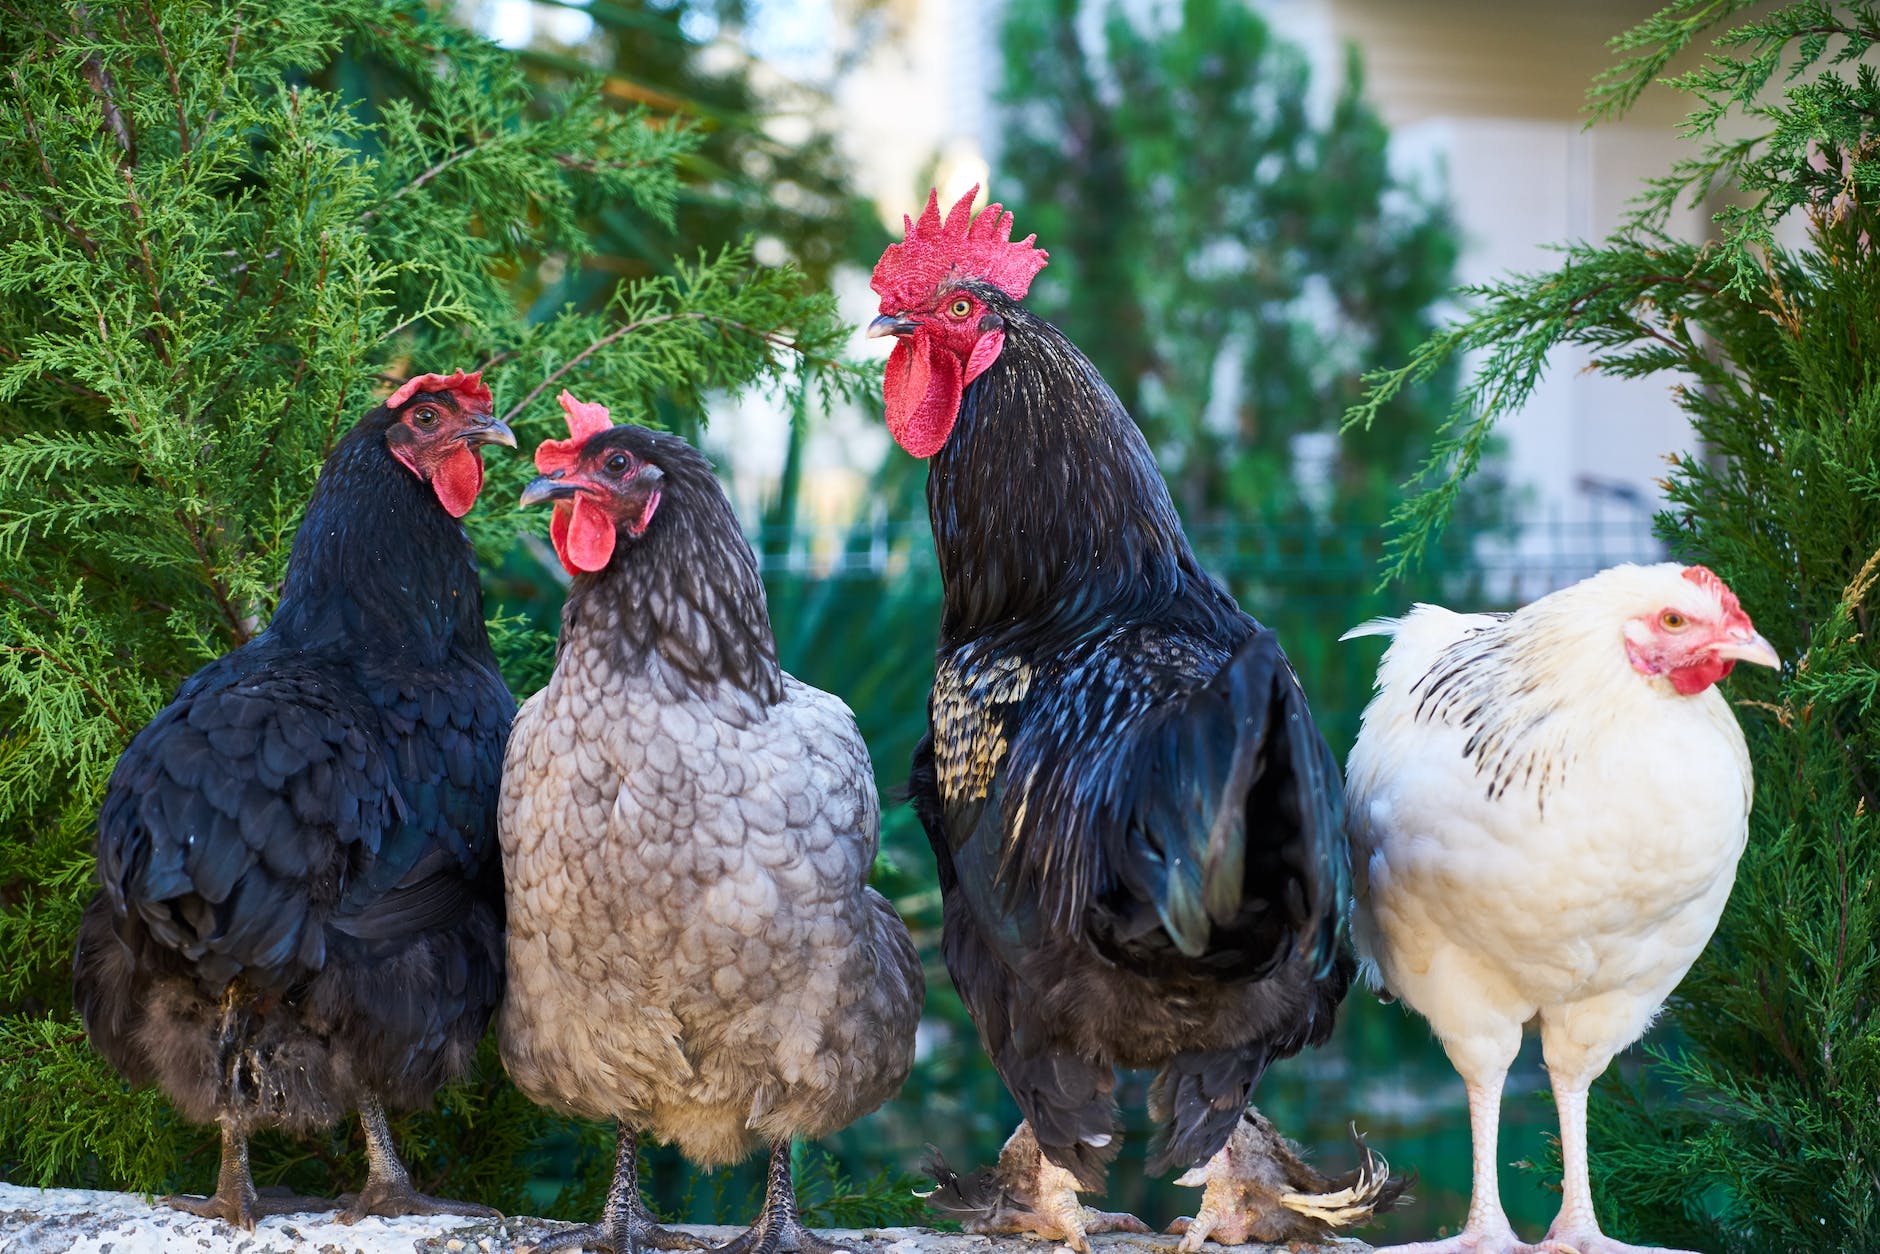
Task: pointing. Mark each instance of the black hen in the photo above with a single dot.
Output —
(1139, 829)
(301, 903)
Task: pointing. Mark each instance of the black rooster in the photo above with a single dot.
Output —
(301, 904)
(1138, 827)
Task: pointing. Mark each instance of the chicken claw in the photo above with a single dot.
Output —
(387, 1191)
(1025, 1193)
(1593, 1241)
(779, 1218)
(626, 1226)
(235, 1200)
(1468, 1241)
(1259, 1189)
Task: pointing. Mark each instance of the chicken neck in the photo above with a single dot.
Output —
(688, 597)
(1049, 511)
(378, 567)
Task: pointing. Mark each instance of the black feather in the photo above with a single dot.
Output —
(1138, 827)
(279, 928)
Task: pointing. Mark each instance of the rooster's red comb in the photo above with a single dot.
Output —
(963, 246)
(468, 386)
(585, 419)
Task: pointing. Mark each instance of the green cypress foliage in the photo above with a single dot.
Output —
(1754, 1127)
(213, 259)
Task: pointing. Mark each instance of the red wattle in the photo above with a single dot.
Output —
(1694, 678)
(558, 534)
(582, 534)
(458, 479)
(922, 390)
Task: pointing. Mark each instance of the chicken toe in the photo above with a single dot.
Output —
(387, 1191)
(235, 1200)
(1025, 1193)
(626, 1226)
(1257, 1188)
(1576, 1229)
(779, 1225)
(1593, 1241)
(1468, 1241)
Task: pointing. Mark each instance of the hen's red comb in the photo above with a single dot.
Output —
(468, 386)
(585, 419)
(1706, 579)
(963, 246)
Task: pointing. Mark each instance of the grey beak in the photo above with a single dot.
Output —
(548, 488)
(888, 324)
(495, 431)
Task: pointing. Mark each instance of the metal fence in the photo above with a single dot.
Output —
(1527, 558)
(871, 592)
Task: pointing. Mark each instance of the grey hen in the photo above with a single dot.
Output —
(687, 833)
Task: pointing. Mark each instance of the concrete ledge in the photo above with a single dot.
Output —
(58, 1221)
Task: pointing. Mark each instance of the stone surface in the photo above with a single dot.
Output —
(58, 1221)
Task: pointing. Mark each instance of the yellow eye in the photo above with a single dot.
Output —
(960, 308)
(1671, 620)
(425, 416)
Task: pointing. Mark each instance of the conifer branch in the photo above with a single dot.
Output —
(176, 88)
(104, 703)
(159, 323)
(98, 77)
(776, 339)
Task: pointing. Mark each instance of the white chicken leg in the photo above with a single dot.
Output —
(1573, 1066)
(1487, 1230)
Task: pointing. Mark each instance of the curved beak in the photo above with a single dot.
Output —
(1751, 648)
(889, 324)
(548, 488)
(492, 430)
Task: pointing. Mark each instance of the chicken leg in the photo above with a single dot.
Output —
(779, 1218)
(235, 1200)
(1576, 1229)
(1259, 1189)
(1487, 1230)
(626, 1226)
(388, 1190)
(1025, 1193)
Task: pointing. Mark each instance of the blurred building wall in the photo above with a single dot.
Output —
(1490, 93)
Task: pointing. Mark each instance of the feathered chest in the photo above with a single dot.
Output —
(1562, 741)
(975, 703)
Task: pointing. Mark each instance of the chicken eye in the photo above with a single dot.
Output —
(960, 308)
(1671, 620)
(425, 415)
(617, 464)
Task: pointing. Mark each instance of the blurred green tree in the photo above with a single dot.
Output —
(1232, 258)
(1753, 1128)
(214, 254)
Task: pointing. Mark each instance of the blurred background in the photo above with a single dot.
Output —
(1247, 206)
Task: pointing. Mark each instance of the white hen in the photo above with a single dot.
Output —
(1546, 811)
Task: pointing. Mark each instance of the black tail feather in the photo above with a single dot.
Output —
(1238, 833)
(1199, 1097)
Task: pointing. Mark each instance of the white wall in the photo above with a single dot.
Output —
(1488, 94)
